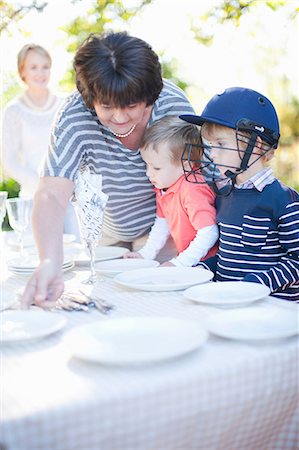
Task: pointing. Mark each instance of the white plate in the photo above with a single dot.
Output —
(73, 250)
(13, 241)
(68, 238)
(27, 272)
(29, 240)
(227, 293)
(121, 265)
(7, 299)
(102, 253)
(26, 325)
(135, 340)
(29, 263)
(255, 323)
(163, 278)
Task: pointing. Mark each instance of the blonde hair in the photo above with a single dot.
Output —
(176, 133)
(22, 55)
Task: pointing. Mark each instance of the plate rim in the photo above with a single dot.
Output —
(225, 303)
(79, 261)
(155, 264)
(165, 286)
(61, 322)
(12, 240)
(202, 335)
(215, 317)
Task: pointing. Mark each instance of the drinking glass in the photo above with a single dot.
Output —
(3, 197)
(18, 210)
(90, 219)
(90, 201)
(92, 279)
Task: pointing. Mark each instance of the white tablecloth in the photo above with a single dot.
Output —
(226, 395)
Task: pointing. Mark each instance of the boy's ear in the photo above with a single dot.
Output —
(269, 155)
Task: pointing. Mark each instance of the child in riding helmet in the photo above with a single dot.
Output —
(257, 215)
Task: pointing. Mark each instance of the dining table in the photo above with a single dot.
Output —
(227, 394)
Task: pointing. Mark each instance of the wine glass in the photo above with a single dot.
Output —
(3, 197)
(90, 224)
(89, 202)
(90, 219)
(92, 279)
(18, 210)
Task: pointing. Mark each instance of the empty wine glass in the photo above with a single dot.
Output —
(89, 202)
(91, 231)
(18, 210)
(3, 197)
(92, 279)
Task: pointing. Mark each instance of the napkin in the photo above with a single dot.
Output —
(89, 201)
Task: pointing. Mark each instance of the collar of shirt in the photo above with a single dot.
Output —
(258, 181)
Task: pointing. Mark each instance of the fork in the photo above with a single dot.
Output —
(99, 303)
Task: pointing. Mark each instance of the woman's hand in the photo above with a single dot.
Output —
(44, 287)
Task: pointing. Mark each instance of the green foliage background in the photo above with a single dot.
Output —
(112, 14)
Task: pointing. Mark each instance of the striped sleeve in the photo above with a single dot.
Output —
(171, 102)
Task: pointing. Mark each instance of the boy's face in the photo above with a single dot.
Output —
(160, 168)
(224, 151)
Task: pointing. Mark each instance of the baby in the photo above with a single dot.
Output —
(185, 211)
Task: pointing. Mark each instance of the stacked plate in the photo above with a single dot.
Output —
(26, 265)
(13, 240)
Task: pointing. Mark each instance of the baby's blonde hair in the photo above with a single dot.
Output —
(22, 55)
(176, 134)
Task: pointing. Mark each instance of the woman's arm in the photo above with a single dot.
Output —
(49, 206)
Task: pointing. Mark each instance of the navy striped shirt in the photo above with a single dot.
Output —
(259, 238)
(79, 140)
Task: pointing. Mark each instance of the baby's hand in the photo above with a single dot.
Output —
(132, 255)
(167, 264)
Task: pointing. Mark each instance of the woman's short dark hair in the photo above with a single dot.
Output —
(117, 69)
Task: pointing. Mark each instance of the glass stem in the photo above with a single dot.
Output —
(21, 244)
(91, 249)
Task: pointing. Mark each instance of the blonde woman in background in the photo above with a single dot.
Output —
(27, 123)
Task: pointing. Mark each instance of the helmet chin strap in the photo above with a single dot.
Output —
(230, 175)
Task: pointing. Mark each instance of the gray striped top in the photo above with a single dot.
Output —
(79, 140)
